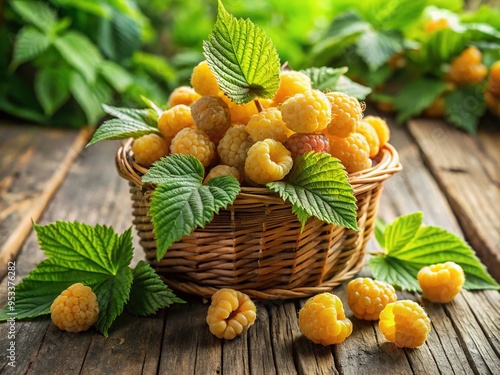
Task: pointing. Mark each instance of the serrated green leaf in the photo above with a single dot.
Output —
(401, 231)
(242, 58)
(52, 88)
(133, 114)
(396, 14)
(78, 51)
(324, 78)
(35, 12)
(181, 203)
(416, 96)
(443, 45)
(149, 293)
(380, 231)
(346, 24)
(89, 95)
(398, 273)
(115, 75)
(152, 105)
(377, 47)
(175, 166)
(318, 186)
(120, 129)
(349, 87)
(464, 107)
(29, 44)
(76, 252)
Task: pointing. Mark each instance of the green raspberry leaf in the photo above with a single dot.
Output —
(427, 245)
(380, 226)
(401, 231)
(349, 87)
(324, 78)
(175, 166)
(128, 122)
(149, 293)
(29, 44)
(318, 186)
(464, 107)
(95, 256)
(52, 88)
(242, 58)
(182, 203)
(416, 96)
(377, 47)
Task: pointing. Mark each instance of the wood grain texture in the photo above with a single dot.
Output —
(469, 174)
(32, 167)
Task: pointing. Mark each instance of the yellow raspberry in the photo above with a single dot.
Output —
(267, 161)
(436, 108)
(307, 112)
(182, 95)
(367, 297)
(352, 151)
(381, 127)
(291, 82)
(493, 84)
(467, 67)
(437, 24)
(76, 309)
(405, 323)
(203, 80)
(149, 148)
(234, 145)
(441, 282)
(222, 170)
(211, 115)
(230, 314)
(322, 320)
(240, 113)
(268, 124)
(346, 113)
(194, 142)
(174, 120)
(371, 137)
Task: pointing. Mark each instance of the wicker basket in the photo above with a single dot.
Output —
(256, 244)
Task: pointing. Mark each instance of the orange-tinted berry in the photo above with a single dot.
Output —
(352, 151)
(268, 124)
(291, 82)
(441, 282)
(322, 320)
(240, 113)
(203, 80)
(307, 112)
(381, 127)
(149, 148)
(182, 95)
(493, 84)
(405, 323)
(174, 120)
(367, 297)
(467, 67)
(370, 135)
(230, 314)
(346, 113)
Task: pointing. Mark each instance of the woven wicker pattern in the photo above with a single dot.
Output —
(256, 244)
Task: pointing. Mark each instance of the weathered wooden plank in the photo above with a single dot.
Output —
(92, 193)
(34, 163)
(261, 355)
(469, 179)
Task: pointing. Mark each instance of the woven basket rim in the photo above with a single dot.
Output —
(386, 164)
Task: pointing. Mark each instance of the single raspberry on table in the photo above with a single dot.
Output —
(182, 95)
(322, 320)
(441, 282)
(230, 314)
(367, 297)
(149, 148)
(234, 145)
(405, 323)
(302, 143)
(371, 136)
(307, 112)
(352, 151)
(174, 120)
(222, 170)
(381, 127)
(196, 143)
(76, 309)
(345, 115)
(267, 161)
(211, 115)
(291, 82)
(268, 124)
(203, 80)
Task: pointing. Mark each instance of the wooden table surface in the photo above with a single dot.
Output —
(48, 175)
